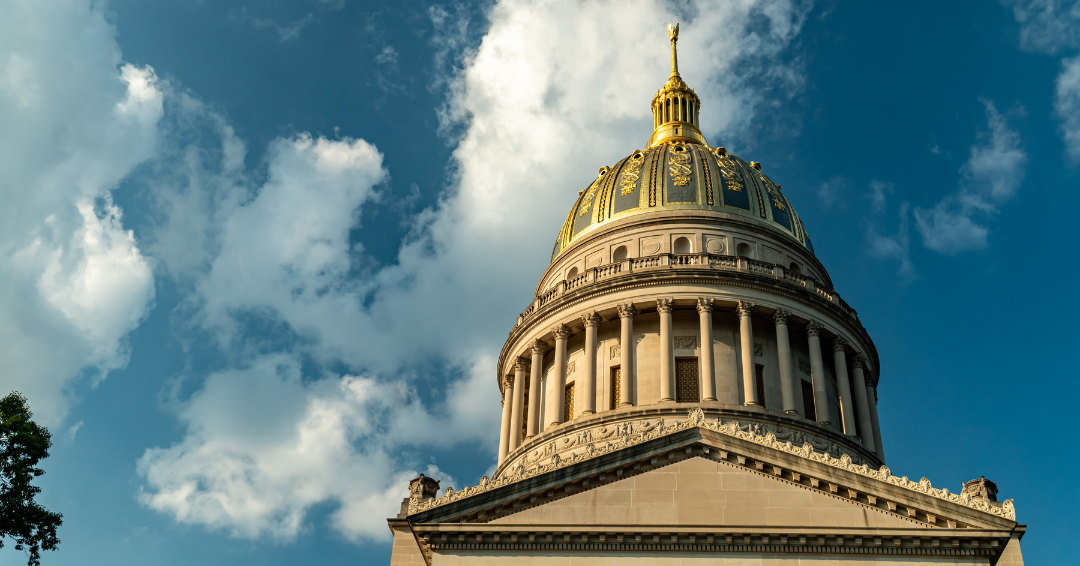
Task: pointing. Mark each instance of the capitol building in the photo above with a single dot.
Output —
(688, 387)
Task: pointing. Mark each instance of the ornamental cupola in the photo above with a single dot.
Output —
(676, 106)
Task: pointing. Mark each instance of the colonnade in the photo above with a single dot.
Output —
(858, 403)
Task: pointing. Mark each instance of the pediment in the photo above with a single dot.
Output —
(705, 492)
(865, 496)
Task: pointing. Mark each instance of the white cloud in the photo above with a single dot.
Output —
(1067, 105)
(990, 177)
(76, 122)
(1048, 25)
(896, 246)
(553, 92)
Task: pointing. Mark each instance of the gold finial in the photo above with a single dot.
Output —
(673, 33)
(675, 106)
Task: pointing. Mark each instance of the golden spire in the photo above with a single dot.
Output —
(673, 33)
(675, 106)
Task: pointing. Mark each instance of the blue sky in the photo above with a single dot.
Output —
(260, 256)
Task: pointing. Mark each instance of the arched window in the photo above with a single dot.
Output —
(572, 273)
(794, 268)
(744, 250)
(682, 246)
(619, 255)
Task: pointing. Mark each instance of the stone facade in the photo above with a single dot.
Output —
(687, 387)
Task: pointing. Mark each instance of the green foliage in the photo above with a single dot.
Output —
(24, 443)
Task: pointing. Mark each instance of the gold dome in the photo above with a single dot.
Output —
(678, 170)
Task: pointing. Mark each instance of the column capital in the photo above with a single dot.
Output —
(539, 347)
(839, 344)
(745, 308)
(560, 331)
(780, 317)
(665, 306)
(813, 329)
(705, 304)
(858, 360)
(627, 310)
(590, 319)
(508, 382)
(521, 363)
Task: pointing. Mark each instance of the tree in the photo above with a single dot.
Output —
(24, 443)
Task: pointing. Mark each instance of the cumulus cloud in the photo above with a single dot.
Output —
(263, 446)
(76, 122)
(991, 176)
(551, 93)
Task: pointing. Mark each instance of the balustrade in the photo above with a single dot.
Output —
(668, 261)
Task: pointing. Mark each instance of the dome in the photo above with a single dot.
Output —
(677, 171)
(676, 175)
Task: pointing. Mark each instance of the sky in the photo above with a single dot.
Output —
(259, 258)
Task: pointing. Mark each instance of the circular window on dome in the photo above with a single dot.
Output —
(682, 246)
(619, 254)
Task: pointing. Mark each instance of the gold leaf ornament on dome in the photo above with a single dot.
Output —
(730, 173)
(630, 175)
(679, 165)
(591, 193)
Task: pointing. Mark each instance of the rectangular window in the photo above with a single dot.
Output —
(568, 403)
(809, 411)
(616, 377)
(687, 389)
(759, 383)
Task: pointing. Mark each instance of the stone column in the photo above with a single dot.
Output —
(746, 330)
(557, 385)
(708, 369)
(537, 376)
(866, 426)
(587, 391)
(817, 373)
(504, 432)
(667, 351)
(871, 397)
(847, 411)
(520, 365)
(626, 350)
(783, 349)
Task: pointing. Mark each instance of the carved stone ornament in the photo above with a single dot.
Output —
(804, 366)
(859, 361)
(560, 331)
(665, 306)
(759, 349)
(571, 367)
(780, 317)
(616, 352)
(685, 342)
(981, 488)
(813, 329)
(539, 347)
(745, 308)
(704, 304)
(521, 364)
(590, 319)
(839, 344)
(627, 310)
(422, 488)
(609, 438)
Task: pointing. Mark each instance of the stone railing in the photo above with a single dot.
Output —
(679, 261)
